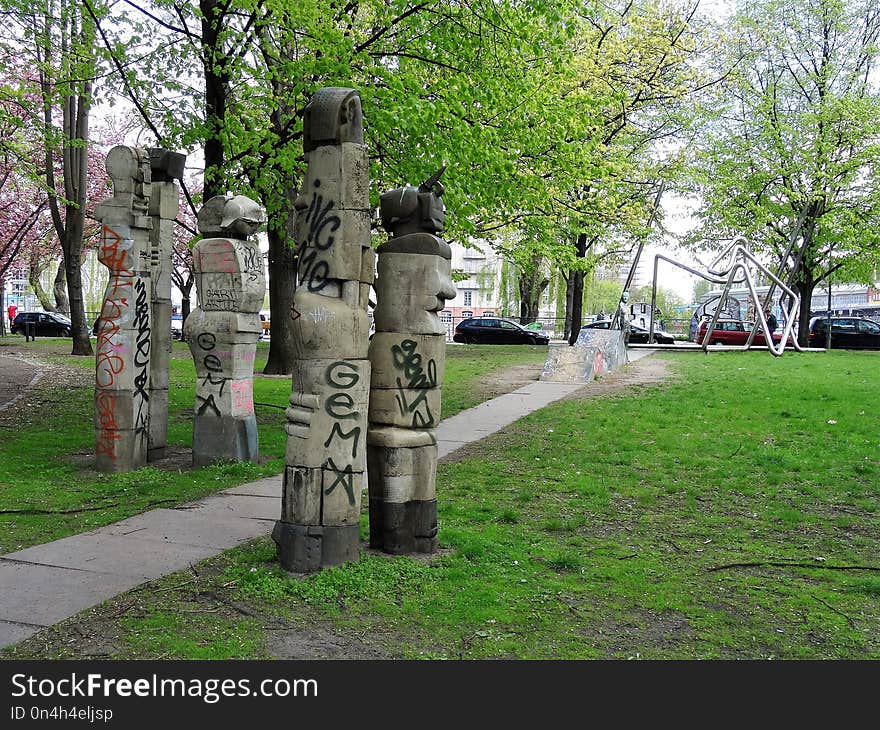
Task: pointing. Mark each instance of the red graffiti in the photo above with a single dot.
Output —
(108, 360)
(108, 431)
(242, 396)
(219, 258)
(111, 255)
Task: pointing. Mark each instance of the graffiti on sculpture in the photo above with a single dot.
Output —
(131, 362)
(407, 355)
(223, 330)
(408, 362)
(327, 418)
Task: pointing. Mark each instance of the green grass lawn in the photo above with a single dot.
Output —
(49, 489)
(730, 512)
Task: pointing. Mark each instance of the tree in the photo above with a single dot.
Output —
(701, 287)
(440, 82)
(791, 147)
(632, 66)
(56, 47)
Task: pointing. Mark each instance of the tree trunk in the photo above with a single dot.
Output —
(185, 289)
(566, 327)
(59, 290)
(531, 287)
(574, 295)
(216, 95)
(82, 345)
(282, 285)
(804, 287)
(576, 291)
(42, 295)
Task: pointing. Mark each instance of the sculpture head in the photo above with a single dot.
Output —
(333, 116)
(412, 209)
(166, 165)
(128, 167)
(414, 283)
(235, 216)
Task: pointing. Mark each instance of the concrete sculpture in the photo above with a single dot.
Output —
(131, 363)
(407, 354)
(327, 418)
(222, 332)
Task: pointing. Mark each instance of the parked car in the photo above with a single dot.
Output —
(734, 332)
(46, 324)
(177, 326)
(847, 333)
(265, 323)
(497, 331)
(637, 335)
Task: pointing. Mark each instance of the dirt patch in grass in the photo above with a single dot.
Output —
(509, 379)
(643, 372)
(321, 642)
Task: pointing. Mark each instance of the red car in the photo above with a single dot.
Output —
(733, 332)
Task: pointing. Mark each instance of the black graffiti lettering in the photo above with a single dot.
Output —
(209, 380)
(313, 273)
(252, 268)
(406, 358)
(206, 340)
(142, 325)
(318, 219)
(142, 419)
(212, 363)
(340, 405)
(318, 277)
(419, 420)
(206, 404)
(354, 434)
(340, 379)
(345, 477)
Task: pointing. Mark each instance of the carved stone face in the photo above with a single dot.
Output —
(411, 289)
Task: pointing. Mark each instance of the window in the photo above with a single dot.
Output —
(468, 299)
(446, 316)
(467, 313)
(505, 325)
(488, 313)
(869, 328)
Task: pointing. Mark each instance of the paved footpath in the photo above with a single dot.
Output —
(17, 377)
(44, 584)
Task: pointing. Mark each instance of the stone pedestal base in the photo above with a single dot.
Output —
(119, 451)
(221, 438)
(403, 527)
(308, 548)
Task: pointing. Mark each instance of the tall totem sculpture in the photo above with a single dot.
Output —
(407, 354)
(131, 363)
(165, 166)
(222, 332)
(327, 417)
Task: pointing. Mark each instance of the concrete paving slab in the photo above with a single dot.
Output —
(447, 447)
(117, 555)
(260, 508)
(270, 487)
(187, 527)
(12, 633)
(44, 595)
